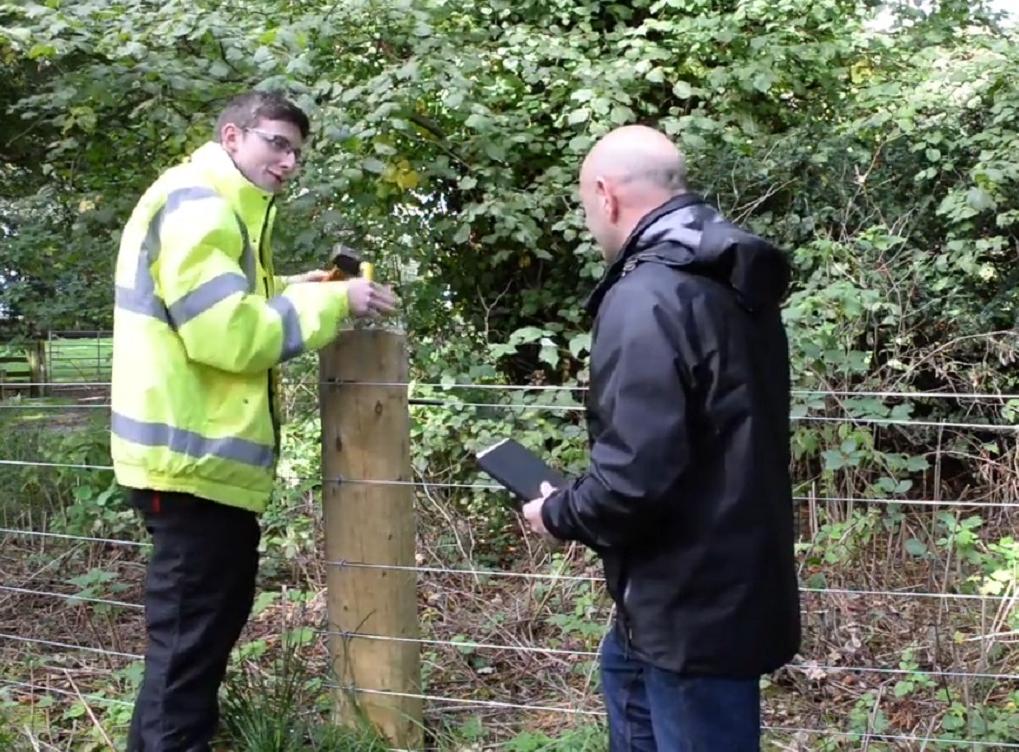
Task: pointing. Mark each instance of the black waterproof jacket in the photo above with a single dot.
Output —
(687, 498)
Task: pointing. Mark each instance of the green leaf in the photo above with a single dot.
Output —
(578, 116)
(263, 601)
(980, 199)
(527, 335)
(917, 464)
(903, 688)
(462, 642)
(463, 234)
(580, 343)
(902, 412)
(833, 460)
(682, 90)
(262, 56)
(763, 81)
(478, 121)
(472, 728)
(41, 51)
(915, 547)
(952, 723)
(621, 115)
(549, 353)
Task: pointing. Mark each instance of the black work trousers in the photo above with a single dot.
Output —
(199, 589)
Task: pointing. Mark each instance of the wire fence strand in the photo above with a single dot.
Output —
(885, 737)
(53, 407)
(473, 572)
(849, 393)
(861, 420)
(814, 671)
(499, 704)
(461, 644)
(81, 538)
(69, 646)
(70, 597)
(476, 572)
(553, 388)
(495, 487)
(64, 465)
(76, 695)
(502, 705)
(765, 728)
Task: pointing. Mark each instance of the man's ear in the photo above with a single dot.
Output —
(607, 198)
(230, 137)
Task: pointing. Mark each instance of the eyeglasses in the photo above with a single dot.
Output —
(278, 143)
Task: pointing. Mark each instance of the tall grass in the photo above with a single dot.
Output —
(277, 707)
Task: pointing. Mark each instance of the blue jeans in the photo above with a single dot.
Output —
(653, 710)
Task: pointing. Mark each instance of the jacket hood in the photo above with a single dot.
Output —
(687, 233)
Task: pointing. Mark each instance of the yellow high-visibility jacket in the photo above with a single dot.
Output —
(200, 324)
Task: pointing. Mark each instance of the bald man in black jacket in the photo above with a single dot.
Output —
(687, 498)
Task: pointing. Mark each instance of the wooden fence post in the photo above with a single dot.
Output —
(36, 356)
(366, 436)
(42, 372)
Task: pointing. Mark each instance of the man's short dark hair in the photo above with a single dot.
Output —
(245, 110)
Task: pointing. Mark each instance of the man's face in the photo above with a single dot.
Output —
(268, 154)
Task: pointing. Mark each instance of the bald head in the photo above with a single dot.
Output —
(639, 157)
(629, 172)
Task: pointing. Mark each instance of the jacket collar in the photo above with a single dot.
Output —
(633, 245)
(244, 196)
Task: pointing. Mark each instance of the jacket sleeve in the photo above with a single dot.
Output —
(220, 321)
(643, 449)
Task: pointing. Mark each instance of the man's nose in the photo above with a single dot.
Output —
(288, 161)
